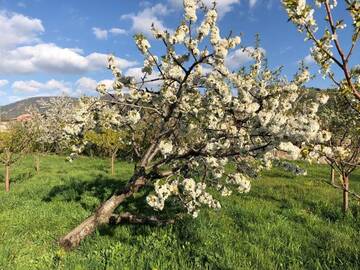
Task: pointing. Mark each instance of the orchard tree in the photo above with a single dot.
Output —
(44, 129)
(35, 132)
(205, 117)
(342, 152)
(342, 115)
(110, 142)
(13, 143)
(49, 122)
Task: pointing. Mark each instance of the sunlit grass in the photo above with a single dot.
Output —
(285, 222)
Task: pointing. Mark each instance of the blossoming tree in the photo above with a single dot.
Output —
(342, 152)
(342, 116)
(203, 117)
(44, 129)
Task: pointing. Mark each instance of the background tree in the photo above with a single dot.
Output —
(35, 133)
(342, 115)
(204, 119)
(13, 143)
(342, 152)
(110, 142)
(49, 123)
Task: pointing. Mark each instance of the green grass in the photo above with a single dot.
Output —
(285, 222)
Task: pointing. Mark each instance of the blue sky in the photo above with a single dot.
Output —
(49, 47)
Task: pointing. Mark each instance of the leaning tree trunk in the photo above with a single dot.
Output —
(7, 178)
(345, 193)
(102, 215)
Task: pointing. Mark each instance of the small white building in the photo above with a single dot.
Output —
(3, 126)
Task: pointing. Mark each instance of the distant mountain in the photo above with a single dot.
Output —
(13, 110)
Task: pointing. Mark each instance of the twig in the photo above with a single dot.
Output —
(342, 188)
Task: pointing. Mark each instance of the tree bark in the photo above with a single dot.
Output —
(332, 176)
(345, 193)
(7, 178)
(113, 156)
(102, 215)
(37, 163)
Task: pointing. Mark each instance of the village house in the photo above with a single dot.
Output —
(3, 126)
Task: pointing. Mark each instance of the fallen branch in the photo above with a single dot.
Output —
(140, 219)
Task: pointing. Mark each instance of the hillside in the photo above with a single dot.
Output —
(13, 110)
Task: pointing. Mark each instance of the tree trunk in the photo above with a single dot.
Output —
(332, 176)
(102, 215)
(345, 193)
(7, 178)
(37, 163)
(113, 156)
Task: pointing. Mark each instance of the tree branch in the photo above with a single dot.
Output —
(129, 218)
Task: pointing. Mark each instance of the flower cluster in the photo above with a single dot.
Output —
(301, 13)
(241, 181)
(190, 10)
(162, 193)
(142, 43)
(166, 147)
(195, 195)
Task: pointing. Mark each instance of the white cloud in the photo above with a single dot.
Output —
(35, 86)
(3, 82)
(142, 21)
(239, 57)
(108, 83)
(100, 33)
(222, 6)
(27, 86)
(2, 93)
(48, 57)
(252, 3)
(22, 52)
(117, 31)
(103, 34)
(17, 29)
(309, 60)
(85, 85)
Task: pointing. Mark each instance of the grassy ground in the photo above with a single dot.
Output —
(283, 223)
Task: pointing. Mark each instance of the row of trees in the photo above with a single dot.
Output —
(44, 134)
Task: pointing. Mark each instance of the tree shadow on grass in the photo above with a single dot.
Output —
(100, 188)
(182, 228)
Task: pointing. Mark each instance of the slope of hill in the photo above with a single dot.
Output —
(13, 110)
